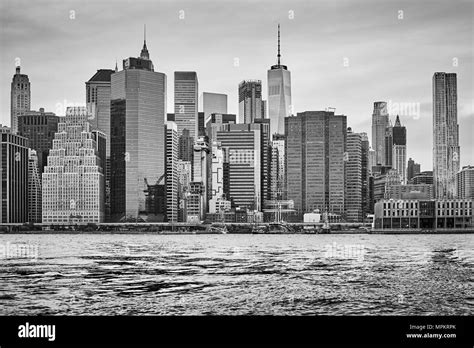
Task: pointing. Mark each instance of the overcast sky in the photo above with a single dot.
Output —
(342, 54)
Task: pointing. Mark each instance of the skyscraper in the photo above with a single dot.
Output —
(73, 180)
(186, 102)
(20, 98)
(365, 153)
(353, 179)
(446, 151)
(279, 94)
(380, 121)
(34, 188)
(185, 146)
(171, 171)
(14, 177)
(98, 92)
(278, 173)
(250, 101)
(213, 103)
(315, 167)
(214, 122)
(465, 182)
(138, 110)
(412, 169)
(243, 146)
(200, 172)
(217, 177)
(39, 127)
(399, 150)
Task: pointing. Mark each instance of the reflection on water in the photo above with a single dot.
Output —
(238, 274)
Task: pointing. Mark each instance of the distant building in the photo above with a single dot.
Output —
(465, 182)
(201, 124)
(446, 151)
(213, 103)
(367, 206)
(425, 177)
(185, 146)
(215, 121)
(315, 168)
(426, 214)
(380, 121)
(73, 180)
(20, 98)
(14, 177)
(201, 158)
(409, 191)
(217, 201)
(39, 127)
(250, 101)
(171, 167)
(412, 169)
(243, 148)
(137, 136)
(279, 94)
(278, 171)
(353, 199)
(186, 102)
(34, 188)
(383, 183)
(399, 150)
(184, 170)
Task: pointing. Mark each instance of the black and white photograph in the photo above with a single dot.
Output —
(219, 172)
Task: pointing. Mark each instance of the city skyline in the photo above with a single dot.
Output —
(320, 77)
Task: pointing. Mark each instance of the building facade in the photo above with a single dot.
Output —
(73, 180)
(315, 168)
(399, 150)
(39, 127)
(14, 177)
(446, 151)
(34, 189)
(432, 214)
(213, 103)
(171, 168)
(413, 169)
(465, 182)
(20, 98)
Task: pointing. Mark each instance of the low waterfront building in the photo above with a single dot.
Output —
(423, 214)
(465, 182)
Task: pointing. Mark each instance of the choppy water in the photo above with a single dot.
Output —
(237, 274)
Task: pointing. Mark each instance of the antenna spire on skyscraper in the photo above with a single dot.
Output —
(278, 55)
(144, 54)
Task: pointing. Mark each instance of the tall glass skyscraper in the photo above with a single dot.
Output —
(20, 98)
(279, 94)
(137, 130)
(446, 151)
(73, 180)
(186, 102)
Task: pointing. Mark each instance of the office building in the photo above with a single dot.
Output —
(39, 127)
(214, 123)
(399, 150)
(171, 168)
(425, 177)
(409, 191)
(213, 103)
(413, 169)
(367, 205)
(20, 98)
(73, 180)
(380, 122)
(353, 179)
(34, 189)
(446, 151)
(315, 167)
(250, 101)
(279, 94)
(184, 170)
(14, 177)
(185, 146)
(242, 144)
(278, 171)
(186, 102)
(465, 182)
(425, 214)
(201, 159)
(217, 201)
(138, 111)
